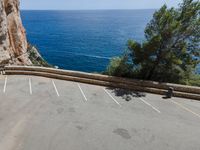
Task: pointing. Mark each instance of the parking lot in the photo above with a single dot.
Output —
(39, 113)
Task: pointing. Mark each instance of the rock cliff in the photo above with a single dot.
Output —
(13, 42)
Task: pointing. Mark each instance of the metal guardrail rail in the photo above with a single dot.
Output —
(104, 80)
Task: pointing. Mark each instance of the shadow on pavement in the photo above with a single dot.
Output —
(126, 94)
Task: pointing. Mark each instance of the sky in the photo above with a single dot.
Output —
(95, 4)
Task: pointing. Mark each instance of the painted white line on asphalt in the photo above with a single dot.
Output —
(158, 111)
(112, 97)
(4, 89)
(30, 87)
(82, 91)
(55, 88)
(185, 108)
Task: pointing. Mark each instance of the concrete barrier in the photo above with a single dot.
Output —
(97, 79)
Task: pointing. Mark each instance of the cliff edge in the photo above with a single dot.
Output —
(14, 48)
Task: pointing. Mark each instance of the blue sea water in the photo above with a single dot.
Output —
(84, 40)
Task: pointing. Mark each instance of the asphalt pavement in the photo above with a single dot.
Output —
(39, 113)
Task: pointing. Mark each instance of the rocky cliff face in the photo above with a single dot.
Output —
(13, 42)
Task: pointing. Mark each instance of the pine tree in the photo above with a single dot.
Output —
(172, 47)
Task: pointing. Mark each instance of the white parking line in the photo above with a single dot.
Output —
(82, 92)
(112, 97)
(30, 87)
(55, 88)
(185, 108)
(4, 89)
(158, 111)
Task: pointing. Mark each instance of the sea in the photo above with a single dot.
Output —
(84, 40)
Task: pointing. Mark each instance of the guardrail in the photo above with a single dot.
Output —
(104, 80)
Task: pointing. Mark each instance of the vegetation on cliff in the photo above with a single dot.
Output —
(171, 51)
(35, 57)
(14, 48)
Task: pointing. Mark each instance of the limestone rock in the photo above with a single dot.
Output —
(13, 42)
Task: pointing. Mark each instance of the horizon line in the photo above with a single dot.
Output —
(86, 9)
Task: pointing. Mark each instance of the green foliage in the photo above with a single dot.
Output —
(193, 80)
(119, 67)
(171, 50)
(36, 58)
